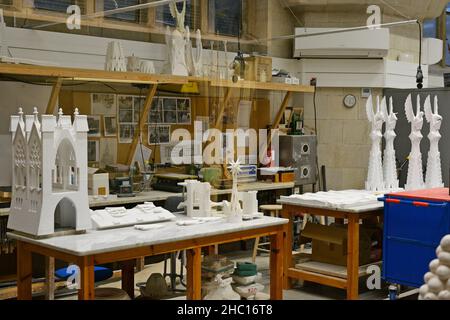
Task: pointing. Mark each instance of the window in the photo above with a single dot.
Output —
(446, 37)
(164, 16)
(131, 16)
(225, 17)
(430, 29)
(51, 5)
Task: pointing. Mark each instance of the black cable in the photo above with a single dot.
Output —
(419, 76)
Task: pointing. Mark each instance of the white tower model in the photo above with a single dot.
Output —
(415, 171)
(233, 210)
(50, 186)
(389, 163)
(437, 281)
(434, 169)
(375, 180)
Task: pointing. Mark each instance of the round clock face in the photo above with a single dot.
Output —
(349, 101)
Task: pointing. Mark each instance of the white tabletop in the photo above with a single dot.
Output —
(353, 209)
(95, 242)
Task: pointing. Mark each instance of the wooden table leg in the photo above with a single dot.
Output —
(128, 277)
(277, 273)
(194, 274)
(285, 213)
(353, 257)
(87, 280)
(49, 278)
(24, 272)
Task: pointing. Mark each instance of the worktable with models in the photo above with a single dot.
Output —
(127, 244)
(350, 205)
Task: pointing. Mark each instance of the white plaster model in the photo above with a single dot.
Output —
(434, 167)
(233, 210)
(198, 199)
(437, 281)
(3, 46)
(249, 202)
(146, 213)
(389, 161)
(147, 67)
(115, 58)
(50, 180)
(375, 180)
(415, 171)
(176, 42)
(194, 59)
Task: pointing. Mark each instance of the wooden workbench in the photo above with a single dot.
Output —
(127, 244)
(291, 209)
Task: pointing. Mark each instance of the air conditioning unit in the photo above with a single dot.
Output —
(370, 43)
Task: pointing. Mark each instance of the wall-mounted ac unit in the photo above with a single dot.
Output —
(373, 43)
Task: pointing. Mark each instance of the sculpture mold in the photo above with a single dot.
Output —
(434, 167)
(50, 182)
(375, 180)
(415, 171)
(389, 161)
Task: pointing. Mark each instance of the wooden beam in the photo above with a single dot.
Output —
(194, 274)
(317, 278)
(142, 121)
(49, 278)
(224, 104)
(280, 113)
(204, 17)
(24, 272)
(51, 106)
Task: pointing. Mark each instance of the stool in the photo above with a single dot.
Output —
(273, 210)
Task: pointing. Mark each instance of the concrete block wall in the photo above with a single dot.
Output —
(343, 136)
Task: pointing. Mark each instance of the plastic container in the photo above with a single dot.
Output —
(414, 224)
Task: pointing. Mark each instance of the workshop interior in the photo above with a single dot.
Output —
(232, 150)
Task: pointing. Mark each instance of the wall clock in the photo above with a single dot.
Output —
(349, 101)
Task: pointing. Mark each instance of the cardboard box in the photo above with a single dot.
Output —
(256, 66)
(329, 243)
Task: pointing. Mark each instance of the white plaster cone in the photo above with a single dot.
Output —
(375, 180)
(415, 169)
(434, 167)
(389, 162)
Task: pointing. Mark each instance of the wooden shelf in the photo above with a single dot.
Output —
(91, 75)
(269, 86)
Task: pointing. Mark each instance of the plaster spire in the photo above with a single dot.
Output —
(60, 114)
(35, 113)
(76, 112)
(21, 122)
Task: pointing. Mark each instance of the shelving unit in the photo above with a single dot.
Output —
(61, 75)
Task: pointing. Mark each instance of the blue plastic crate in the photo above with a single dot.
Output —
(413, 229)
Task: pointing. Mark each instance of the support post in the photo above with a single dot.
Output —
(51, 106)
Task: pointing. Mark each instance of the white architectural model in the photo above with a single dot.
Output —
(198, 202)
(375, 180)
(115, 58)
(233, 210)
(415, 171)
(50, 182)
(182, 60)
(146, 213)
(437, 281)
(194, 59)
(389, 162)
(434, 168)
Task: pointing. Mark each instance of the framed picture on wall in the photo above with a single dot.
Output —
(155, 114)
(184, 111)
(158, 134)
(93, 151)
(94, 126)
(126, 133)
(110, 126)
(169, 108)
(103, 103)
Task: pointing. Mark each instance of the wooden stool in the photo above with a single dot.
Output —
(273, 210)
